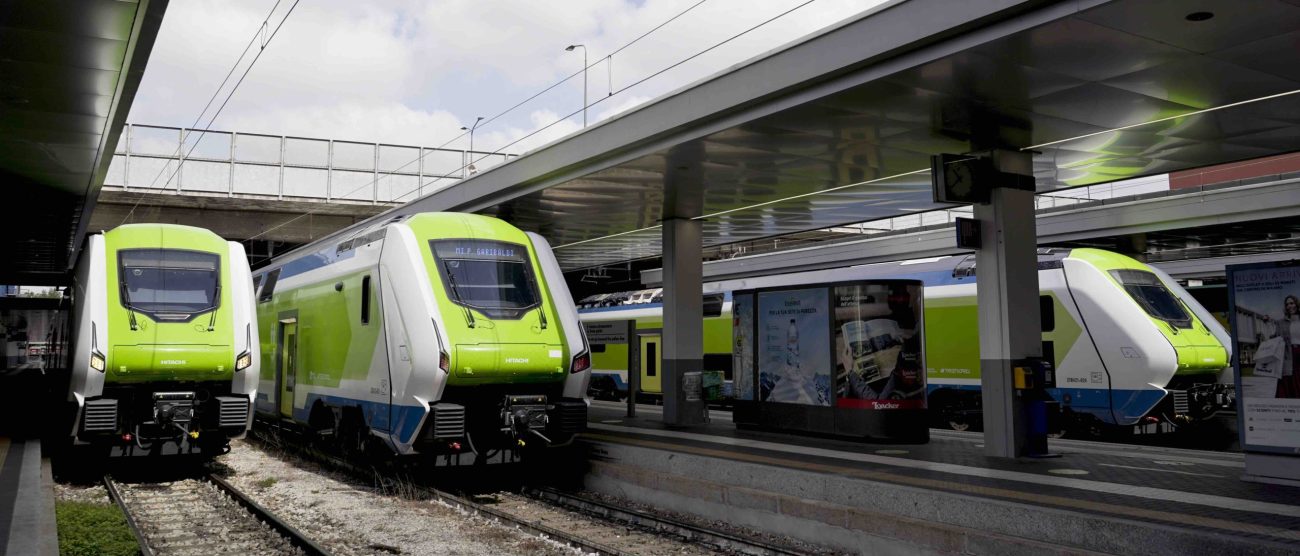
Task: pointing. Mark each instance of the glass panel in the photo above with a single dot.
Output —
(169, 280)
(1149, 292)
(487, 275)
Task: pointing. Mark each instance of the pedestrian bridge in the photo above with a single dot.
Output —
(158, 159)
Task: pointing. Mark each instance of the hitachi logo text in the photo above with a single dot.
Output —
(516, 360)
(172, 362)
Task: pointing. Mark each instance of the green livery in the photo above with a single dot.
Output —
(163, 355)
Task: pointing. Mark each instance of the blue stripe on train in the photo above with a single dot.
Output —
(1130, 405)
(407, 417)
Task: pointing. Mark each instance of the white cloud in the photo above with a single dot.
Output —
(414, 72)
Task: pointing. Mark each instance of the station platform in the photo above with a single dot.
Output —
(943, 497)
(27, 521)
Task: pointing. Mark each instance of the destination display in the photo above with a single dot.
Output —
(878, 347)
(477, 249)
(1266, 342)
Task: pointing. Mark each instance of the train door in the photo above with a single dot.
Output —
(286, 368)
(651, 360)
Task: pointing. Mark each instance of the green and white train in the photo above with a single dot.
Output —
(163, 352)
(1130, 346)
(437, 333)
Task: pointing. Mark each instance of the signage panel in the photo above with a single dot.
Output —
(611, 332)
(878, 346)
(794, 362)
(1266, 354)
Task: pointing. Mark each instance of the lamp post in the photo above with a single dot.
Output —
(584, 79)
(470, 153)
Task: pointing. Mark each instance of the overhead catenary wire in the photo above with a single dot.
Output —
(261, 31)
(497, 152)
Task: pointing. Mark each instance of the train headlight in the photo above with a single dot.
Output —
(581, 363)
(97, 362)
(444, 361)
(243, 361)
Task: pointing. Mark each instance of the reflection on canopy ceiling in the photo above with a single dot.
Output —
(1128, 89)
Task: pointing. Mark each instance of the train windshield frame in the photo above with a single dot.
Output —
(170, 283)
(495, 278)
(1151, 294)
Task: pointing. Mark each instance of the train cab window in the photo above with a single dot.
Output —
(713, 305)
(1047, 313)
(268, 289)
(1151, 294)
(365, 300)
(492, 277)
(598, 348)
(169, 283)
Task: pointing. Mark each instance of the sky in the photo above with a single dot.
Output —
(414, 72)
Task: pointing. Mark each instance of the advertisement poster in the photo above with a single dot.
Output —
(878, 347)
(794, 362)
(1266, 338)
(742, 349)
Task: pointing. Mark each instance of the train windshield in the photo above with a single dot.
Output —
(491, 276)
(169, 280)
(1149, 292)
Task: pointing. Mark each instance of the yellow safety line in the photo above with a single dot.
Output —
(977, 490)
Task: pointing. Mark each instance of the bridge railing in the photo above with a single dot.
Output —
(224, 163)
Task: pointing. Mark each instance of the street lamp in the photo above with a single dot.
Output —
(470, 153)
(584, 79)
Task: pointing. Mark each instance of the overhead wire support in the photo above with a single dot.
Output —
(266, 41)
(497, 152)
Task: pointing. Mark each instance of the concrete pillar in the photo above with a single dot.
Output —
(1009, 324)
(683, 333)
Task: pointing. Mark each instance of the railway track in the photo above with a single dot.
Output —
(203, 516)
(608, 517)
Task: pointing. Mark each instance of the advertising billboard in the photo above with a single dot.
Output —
(794, 361)
(1266, 347)
(742, 350)
(878, 346)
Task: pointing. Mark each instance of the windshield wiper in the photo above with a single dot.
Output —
(541, 314)
(455, 292)
(130, 311)
(216, 302)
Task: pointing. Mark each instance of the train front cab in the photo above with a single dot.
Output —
(1160, 359)
(164, 356)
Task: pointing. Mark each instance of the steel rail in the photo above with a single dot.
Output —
(293, 535)
(455, 501)
(644, 520)
(116, 497)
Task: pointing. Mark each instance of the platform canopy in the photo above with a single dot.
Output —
(68, 73)
(837, 128)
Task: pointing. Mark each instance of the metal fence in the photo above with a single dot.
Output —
(193, 161)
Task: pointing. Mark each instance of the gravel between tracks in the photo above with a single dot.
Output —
(347, 517)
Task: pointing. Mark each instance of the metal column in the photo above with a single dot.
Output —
(1009, 326)
(683, 335)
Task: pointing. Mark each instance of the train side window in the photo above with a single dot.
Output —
(598, 348)
(269, 289)
(713, 305)
(365, 300)
(257, 281)
(651, 361)
(1047, 312)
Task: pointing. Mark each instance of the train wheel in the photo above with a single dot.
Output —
(352, 434)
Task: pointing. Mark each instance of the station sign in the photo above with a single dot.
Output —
(611, 332)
